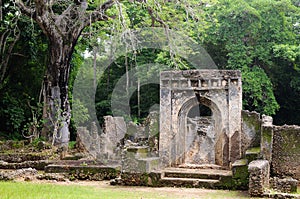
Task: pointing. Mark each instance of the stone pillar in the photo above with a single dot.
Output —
(165, 121)
(266, 137)
(114, 132)
(259, 171)
(235, 115)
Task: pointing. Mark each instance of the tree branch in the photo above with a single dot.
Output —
(4, 63)
(41, 7)
(0, 10)
(99, 14)
(25, 9)
(156, 18)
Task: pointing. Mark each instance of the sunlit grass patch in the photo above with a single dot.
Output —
(36, 190)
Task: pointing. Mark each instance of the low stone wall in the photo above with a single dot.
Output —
(259, 171)
(286, 152)
(287, 185)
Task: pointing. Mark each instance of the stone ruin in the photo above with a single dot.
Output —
(200, 138)
(214, 139)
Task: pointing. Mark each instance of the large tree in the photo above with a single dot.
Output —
(62, 22)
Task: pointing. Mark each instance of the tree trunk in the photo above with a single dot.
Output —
(56, 100)
(62, 29)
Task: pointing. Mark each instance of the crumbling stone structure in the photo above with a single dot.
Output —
(216, 142)
(201, 125)
(259, 177)
(286, 185)
(286, 151)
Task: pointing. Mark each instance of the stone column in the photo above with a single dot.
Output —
(259, 171)
(267, 137)
(234, 117)
(165, 122)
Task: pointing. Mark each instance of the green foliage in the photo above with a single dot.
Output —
(80, 112)
(289, 52)
(23, 82)
(12, 112)
(72, 145)
(35, 142)
(258, 37)
(257, 90)
(34, 125)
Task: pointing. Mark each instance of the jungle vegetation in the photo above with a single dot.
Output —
(44, 43)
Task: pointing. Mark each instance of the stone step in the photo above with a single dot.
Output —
(213, 174)
(22, 157)
(189, 182)
(253, 154)
(86, 172)
(55, 168)
(140, 165)
(39, 164)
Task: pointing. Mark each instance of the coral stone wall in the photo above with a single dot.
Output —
(259, 171)
(286, 151)
(251, 130)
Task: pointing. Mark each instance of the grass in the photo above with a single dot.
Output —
(29, 190)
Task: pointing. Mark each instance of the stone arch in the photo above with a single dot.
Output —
(217, 126)
(179, 92)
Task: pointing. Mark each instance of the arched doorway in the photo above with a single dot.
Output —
(200, 136)
(200, 129)
(180, 94)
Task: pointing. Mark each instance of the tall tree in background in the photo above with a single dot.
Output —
(251, 36)
(259, 37)
(62, 22)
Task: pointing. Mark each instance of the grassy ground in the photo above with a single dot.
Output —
(101, 190)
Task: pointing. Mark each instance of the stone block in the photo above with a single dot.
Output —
(135, 160)
(251, 130)
(253, 154)
(286, 185)
(240, 174)
(259, 174)
(267, 141)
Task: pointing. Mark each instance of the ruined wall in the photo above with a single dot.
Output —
(219, 90)
(251, 130)
(286, 151)
(88, 139)
(110, 139)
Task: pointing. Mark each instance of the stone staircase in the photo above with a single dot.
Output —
(84, 170)
(14, 165)
(196, 178)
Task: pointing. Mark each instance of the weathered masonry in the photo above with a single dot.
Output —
(200, 117)
(201, 137)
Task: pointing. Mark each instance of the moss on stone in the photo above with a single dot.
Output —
(267, 134)
(253, 150)
(226, 182)
(240, 174)
(154, 179)
(248, 118)
(135, 179)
